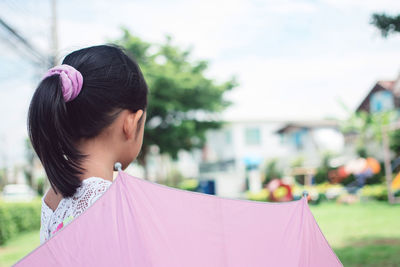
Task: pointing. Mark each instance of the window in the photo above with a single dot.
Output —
(298, 138)
(228, 137)
(253, 136)
(381, 101)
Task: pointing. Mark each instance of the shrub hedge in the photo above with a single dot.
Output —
(17, 217)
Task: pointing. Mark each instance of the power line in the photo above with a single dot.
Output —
(37, 55)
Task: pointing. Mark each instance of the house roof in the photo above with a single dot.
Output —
(308, 124)
(379, 86)
(388, 85)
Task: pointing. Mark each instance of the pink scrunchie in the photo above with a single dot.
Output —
(71, 80)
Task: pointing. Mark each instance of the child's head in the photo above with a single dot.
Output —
(107, 85)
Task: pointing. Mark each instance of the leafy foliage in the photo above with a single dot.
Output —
(395, 142)
(18, 217)
(183, 102)
(272, 171)
(30, 156)
(367, 127)
(386, 24)
(322, 172)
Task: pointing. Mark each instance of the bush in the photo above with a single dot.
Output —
(314, 196)
(321, 176)
(18, 217)
(376, 191)
(322, 172)
(350, 179)
(40, 186)
(189, 184)
(271, 171)
(259, 196)
(174, 177)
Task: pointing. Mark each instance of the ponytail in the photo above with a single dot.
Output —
(51, 136)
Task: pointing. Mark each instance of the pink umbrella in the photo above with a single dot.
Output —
(140, 223)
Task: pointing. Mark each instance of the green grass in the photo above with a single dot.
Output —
(18, 247)
(373, 252)
(363, 234)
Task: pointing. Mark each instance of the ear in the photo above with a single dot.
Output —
(131, 123)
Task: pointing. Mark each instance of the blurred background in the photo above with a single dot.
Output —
(257, 100)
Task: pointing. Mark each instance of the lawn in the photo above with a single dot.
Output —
(18, 247)
(361, 234)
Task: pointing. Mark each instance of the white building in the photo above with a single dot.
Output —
(252, 143)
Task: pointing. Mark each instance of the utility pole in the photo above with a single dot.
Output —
(387, 160)
(54, 34)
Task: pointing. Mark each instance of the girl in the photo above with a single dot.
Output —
(85, 115)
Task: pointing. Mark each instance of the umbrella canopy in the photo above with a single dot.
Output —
(141, 223)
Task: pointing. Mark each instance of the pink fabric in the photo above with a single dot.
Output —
(71, 80)
(140, 223)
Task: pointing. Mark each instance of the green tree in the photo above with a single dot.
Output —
(183, 102)
(358, 124)
(386, 24)
(389, 25)
(395, 142)
(272, 171)
(367, 127)
(321, 175)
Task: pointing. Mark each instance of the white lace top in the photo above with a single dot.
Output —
(69, 208)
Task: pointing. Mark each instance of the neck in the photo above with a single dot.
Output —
(94, 168)
(99, 162)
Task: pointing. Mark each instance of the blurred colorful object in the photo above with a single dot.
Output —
(361, 165)
(396, 182)
(356, 166)
(338, 175)
(279, 191)
(313, 194)
(342, 173)
(361, 168)
(374, 165)
(252, 161)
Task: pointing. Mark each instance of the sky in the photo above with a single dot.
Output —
(294, 60)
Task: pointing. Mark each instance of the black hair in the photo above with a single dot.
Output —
(112, 82)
